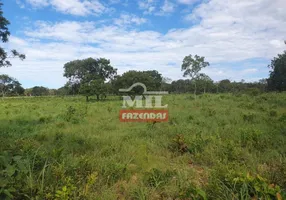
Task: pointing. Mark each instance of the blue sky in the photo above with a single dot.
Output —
(238, 38)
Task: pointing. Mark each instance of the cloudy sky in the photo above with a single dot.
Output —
(237, 37)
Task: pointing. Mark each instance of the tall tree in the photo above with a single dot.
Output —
(4, 37)
(192, 66)
(277, 79)
(88, 73)
(10, 86)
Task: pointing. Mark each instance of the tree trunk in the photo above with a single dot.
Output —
(86, 98)
(195, 91)
(97, 97)
(204, 89)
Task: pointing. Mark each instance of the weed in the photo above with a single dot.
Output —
(75, 115)
(193, 192)
(179, 145)
(66, 192)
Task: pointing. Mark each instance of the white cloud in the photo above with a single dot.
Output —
(74, 7)
(226, 32)
(20, 3)
(168, 7)
(149, 6)
(152, 7)
(249, 71)
(14, 41)
(38, 3)
(129, 19)
(77, 7)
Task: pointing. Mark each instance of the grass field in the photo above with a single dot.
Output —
(215, 147)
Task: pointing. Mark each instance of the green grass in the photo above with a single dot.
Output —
(215, 147)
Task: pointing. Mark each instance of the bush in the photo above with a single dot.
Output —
(179, 145)
(75, 115)
(245, 186)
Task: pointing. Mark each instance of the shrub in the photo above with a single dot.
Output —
(253, 137)
(179, 145)
(249, 187)
(198, 144)
(244, 186)
(13, 170)
(75, 115)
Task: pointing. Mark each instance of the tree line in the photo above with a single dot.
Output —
(97, 77)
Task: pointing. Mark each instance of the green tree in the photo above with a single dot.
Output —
(95, 87)
(73, 88)
(40, 91)
(205, 81)
(62, 91)
(89, 73)
(277, 79)
(18, 89)
(192, 66)
(28, 92)
(225, 85)
(182, 86)
(151, 79)
(10, 86)
(4, 37)
(166, 84)
(156, 78)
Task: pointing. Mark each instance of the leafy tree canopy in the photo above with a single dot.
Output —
(151, 79)
(86, 70)
(88, 76)
(10, 86)
(192, 66)
(95, 87)
(39, 91)
(4, 37)
(277, 79)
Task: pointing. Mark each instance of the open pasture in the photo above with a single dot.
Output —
(219, 146)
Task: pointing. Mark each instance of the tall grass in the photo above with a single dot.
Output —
(219, 146)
